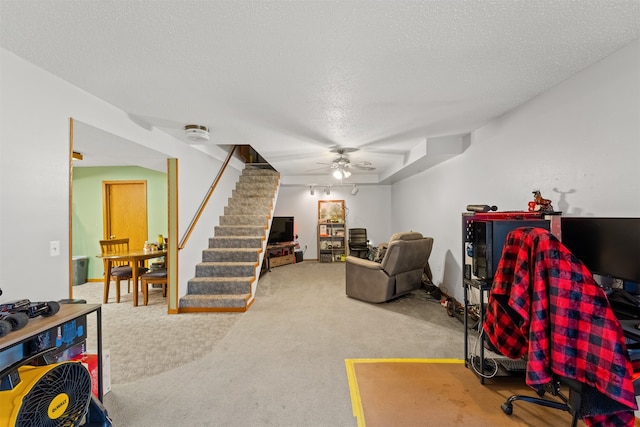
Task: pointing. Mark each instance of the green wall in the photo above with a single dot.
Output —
(87, 208)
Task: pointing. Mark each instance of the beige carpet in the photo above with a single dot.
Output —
(280, 364)
(439, 392)
(144, 341)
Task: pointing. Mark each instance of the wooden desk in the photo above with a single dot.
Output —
(41, 324)
(280, 259)
(135, 258)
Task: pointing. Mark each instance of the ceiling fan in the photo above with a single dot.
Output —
(342, 164)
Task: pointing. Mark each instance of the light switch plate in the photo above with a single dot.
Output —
(54, 248)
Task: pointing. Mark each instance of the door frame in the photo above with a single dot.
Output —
(172, 185)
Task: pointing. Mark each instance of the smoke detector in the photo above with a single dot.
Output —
(197, 133)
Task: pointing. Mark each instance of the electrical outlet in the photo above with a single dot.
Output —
(54, 248)
(305, 247)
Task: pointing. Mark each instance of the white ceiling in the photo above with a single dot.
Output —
(296, 79)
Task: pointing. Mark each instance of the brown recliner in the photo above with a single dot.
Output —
(400, 271)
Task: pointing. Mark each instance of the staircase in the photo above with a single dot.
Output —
(226, 278)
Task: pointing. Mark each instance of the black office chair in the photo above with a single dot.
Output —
(571, 403)
(358, 242)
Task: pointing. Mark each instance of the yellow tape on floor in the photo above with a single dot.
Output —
(356, 402)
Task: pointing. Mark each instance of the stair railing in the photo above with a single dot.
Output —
(194, 221)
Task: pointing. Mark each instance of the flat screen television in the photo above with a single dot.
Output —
(606, 246)
(281, 230)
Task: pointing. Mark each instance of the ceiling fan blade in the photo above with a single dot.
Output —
(362, 164)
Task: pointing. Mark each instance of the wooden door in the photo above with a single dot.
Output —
(125, 211)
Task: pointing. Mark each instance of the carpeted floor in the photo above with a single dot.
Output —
(144, 341)
(438, 392)
(282, 363)
(279, 364)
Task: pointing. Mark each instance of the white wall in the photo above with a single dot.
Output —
(370, 208)
(579, 143)
(35, 108)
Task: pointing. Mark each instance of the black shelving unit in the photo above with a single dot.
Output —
(486, 254)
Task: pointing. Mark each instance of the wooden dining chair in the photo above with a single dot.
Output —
(120, 270)
(153, 277)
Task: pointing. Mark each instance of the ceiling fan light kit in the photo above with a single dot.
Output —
(196, 133)
(341, 167)
(341, 173)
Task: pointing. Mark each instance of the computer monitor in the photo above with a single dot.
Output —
(606, 246)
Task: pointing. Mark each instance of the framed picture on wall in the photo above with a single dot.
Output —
(331, 211)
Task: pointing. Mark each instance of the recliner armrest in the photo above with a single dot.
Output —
(364, 263)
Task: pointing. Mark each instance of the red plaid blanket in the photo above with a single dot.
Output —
(545, 304)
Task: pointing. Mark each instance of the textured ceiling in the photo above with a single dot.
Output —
(296, 79)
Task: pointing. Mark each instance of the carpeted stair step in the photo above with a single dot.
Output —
(256, 202)
(258, 178)
(249, 193)
(219, 285)
(236, 242)
(230, 255)
(251, 183)
(239, 230)
(253, 174)
(267, 182)
(228, 219)
(225, 269)
(258, 188)
(256, 170)
(239, 209)
(213, 302)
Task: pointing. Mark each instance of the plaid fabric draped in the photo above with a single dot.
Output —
(545, 304)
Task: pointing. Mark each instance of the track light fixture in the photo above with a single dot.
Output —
(354, 190)
(327, 190)
(312, 190)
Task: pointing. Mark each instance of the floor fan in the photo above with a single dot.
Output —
(50, 395)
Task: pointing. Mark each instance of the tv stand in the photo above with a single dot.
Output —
(280, 254)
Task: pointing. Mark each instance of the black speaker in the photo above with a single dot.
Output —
(298, 256)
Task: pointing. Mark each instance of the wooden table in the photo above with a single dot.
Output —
(135, 258)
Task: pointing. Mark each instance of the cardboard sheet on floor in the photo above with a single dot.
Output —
(439, 392)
